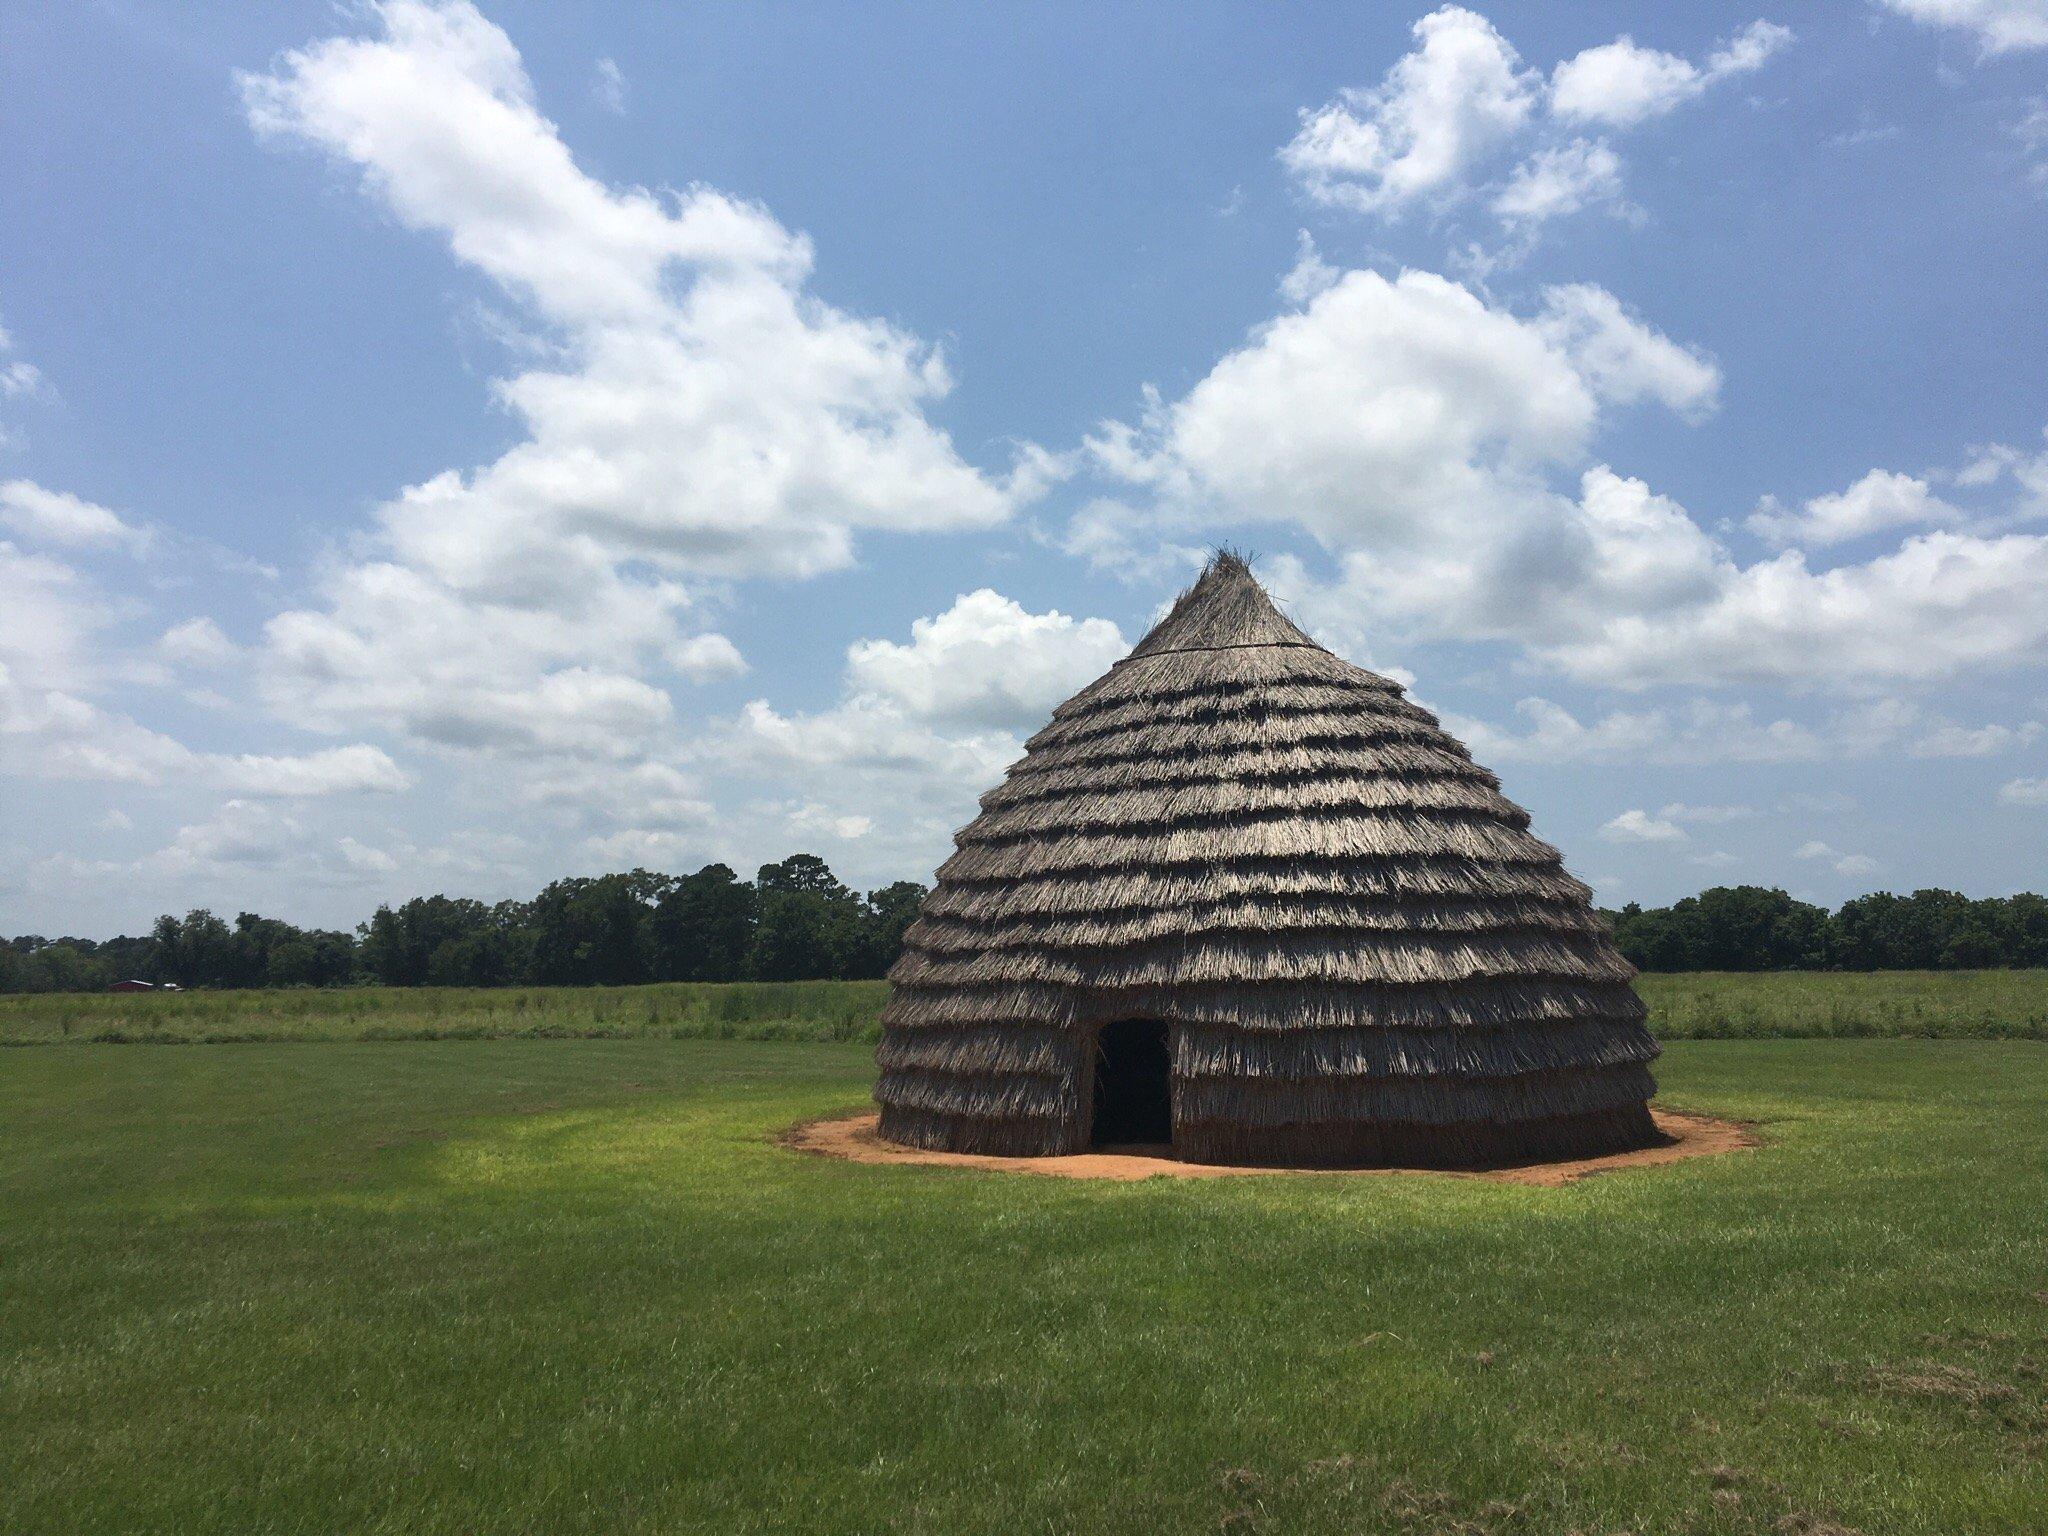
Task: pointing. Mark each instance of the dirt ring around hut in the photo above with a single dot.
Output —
(854, 1139)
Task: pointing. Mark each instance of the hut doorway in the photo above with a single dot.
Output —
(1133, 1085)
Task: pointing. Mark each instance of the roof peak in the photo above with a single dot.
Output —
(1225, 608)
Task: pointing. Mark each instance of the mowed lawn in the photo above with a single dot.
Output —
(572, 1285)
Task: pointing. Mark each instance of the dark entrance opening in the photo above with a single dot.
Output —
(1133, 1085)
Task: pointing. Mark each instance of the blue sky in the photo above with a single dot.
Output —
(442, 448)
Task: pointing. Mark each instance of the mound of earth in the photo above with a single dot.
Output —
(854, 1138)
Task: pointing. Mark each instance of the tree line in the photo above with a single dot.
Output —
(794, 921)
(1753, 928)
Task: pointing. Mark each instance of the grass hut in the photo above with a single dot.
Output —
(1243, 897)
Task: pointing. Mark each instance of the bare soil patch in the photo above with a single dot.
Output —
(853, 1138)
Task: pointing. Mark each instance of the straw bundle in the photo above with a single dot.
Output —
(1356, 950)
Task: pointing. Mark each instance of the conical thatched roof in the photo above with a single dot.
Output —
(1358, 950)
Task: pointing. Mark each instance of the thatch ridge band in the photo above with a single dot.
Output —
(1398, 721)
(1519, 1002)
(1420, 877)
(1226, 1053)
(1385, 747)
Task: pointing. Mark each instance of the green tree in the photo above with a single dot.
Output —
(1727, 928)
(256, 941)
(2021, 923)
(794, 938)
(703, 927)
(801, 873)
(399, 944)
(889, 912)
(315, 958)
(595, 932)
(808, 925)
(195, 951)
(64, 965)
(1886, 932)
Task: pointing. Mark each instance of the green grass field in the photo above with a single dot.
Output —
(573, 1286)
(1977, 1005)
(791, 1010)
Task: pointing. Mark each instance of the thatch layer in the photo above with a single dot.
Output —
(1284, 1056)
(1365, 835)
(1221, 800)
(1329, 957)
(1237, 731)
(1173, 674)
(1362, 708)
(1474, 1144)
(1492, 1003)
(1416, 879)
(941, 933)
(1359, 951)
(1296, 766)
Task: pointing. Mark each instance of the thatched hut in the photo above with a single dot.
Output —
(1242, 896)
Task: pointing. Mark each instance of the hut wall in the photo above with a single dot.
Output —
(1002, 1089)
(1362, 953)
(1393, 1144)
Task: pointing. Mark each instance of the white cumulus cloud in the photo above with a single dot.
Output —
(986, 661)
(1951, 740)
(1623, 359)
(922, 727)
(46, 733)
(1640, 826)
(1420, 133)
(2000, 26)
(1448, 119)
(1940, 605)
(699, 414)
(611, 86)
(1678, 810)
(196, 643)
(1882, 500)
(1842, 863)
(58, 517)
(1622, 83)
(1699, 731)
(1427, 439)
(1560, 180)
(1418, 432)
(332, 771)
(19, 377)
